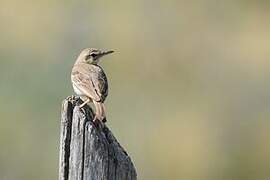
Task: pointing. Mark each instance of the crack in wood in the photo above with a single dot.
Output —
(87, 151)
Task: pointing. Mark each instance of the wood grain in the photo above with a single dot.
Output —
(89, 151)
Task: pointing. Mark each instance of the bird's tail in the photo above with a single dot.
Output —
(103, 112)
(100, 111)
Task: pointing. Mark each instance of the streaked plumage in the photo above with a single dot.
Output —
(89, 80)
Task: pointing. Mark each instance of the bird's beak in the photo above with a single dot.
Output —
(106, 52)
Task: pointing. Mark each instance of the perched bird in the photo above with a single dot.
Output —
(89, 80)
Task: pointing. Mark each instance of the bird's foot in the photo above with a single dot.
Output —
(72, 98)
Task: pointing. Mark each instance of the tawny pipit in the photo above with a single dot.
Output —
(89, 80)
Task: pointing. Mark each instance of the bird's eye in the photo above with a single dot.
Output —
(93, 55)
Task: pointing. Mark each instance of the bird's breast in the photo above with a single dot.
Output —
(77, 91)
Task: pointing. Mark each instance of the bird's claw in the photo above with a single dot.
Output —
(72, 98)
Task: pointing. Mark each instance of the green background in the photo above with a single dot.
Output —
(189, 93)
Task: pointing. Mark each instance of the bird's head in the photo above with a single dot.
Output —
(92, 56)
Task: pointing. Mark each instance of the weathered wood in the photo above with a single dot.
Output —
(65, 135)
(88, 151)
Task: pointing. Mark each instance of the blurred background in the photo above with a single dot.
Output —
(189, 84)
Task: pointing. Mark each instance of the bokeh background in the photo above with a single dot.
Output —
(189, 84)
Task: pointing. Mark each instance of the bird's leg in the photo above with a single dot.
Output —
(85, 102)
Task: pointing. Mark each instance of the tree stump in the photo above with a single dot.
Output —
(89, 151)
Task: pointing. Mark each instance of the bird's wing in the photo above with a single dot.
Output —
(91, 80)
(100, 82)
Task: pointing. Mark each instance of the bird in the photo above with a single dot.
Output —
(89, 80)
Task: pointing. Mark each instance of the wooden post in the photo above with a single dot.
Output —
(87, 151)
